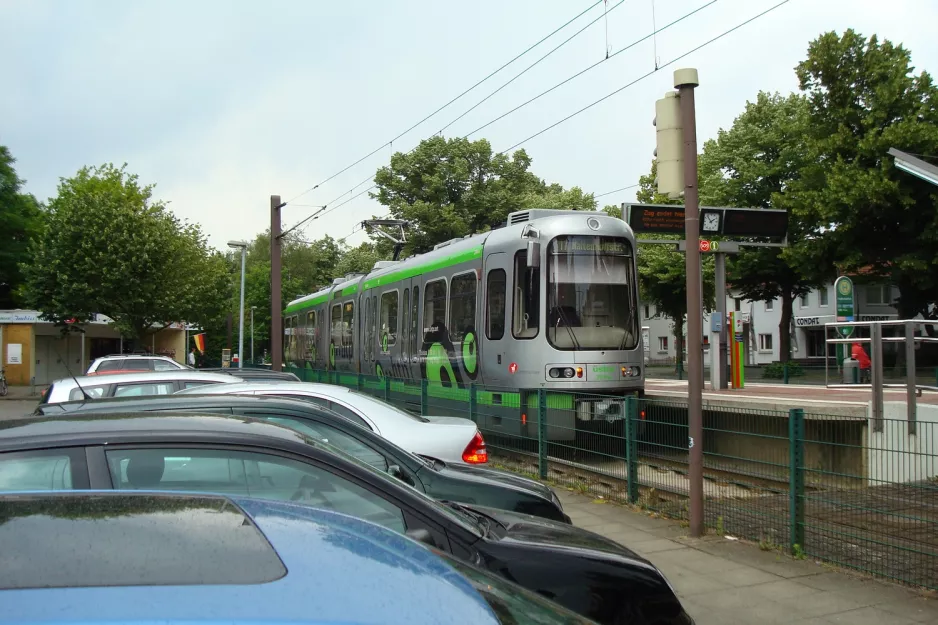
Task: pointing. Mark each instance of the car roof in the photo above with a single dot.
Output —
(317, 387)
(181, 401)
(338, 569)
(110, 356)
(143, 376)
(72, 430)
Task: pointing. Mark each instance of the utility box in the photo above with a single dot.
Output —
(851, 369)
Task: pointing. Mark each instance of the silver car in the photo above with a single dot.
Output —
(450, 439)
(133, 384)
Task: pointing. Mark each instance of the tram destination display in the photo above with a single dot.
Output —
(733, 222)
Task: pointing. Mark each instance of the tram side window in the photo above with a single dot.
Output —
(311, 335)
(495, 305)
(336, 333)
(369, 321)
(389, 302)
(405, 323)
(434, 313)
(286, 338)
(527, 298)
(348, 327)
(462, 306)
(414, 327)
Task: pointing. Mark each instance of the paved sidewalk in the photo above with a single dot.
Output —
(19, 393)
(726, 582)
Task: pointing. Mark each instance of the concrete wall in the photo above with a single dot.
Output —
(895, 456)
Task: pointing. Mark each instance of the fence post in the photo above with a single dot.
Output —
(796, 479)
(542, 432)
(424, 397)
(473, 405)
(387, 389)
(631, 447)
(360, 381)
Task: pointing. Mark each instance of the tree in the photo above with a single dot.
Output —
(449, 188)
(662, 271)
(864, 98)
(19, 221)
(753, 165)
(106, 248)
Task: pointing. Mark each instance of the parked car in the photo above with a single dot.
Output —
(462, 483)
(450, 439)
(202, 558)
(127, 363)
(255, 375)
(130, 385)
(585, 572)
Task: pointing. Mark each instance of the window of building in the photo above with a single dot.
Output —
(805, 300)
(527, 298)
(765, 342)
(405, 322)
(822, 296)
(462, 306)
(662, 344)
(878, 295)
(737, 304)
(389, 302)
(647, 311)
(495, 305)
(769, 305)
(434, 312)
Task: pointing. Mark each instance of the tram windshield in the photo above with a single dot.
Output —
(591, 294)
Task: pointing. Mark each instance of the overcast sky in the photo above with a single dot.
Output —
(223, 103)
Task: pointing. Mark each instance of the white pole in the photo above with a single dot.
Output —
(252, 334)
(241, 329)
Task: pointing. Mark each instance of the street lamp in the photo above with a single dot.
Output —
(243, 245)
(252, 332)
(915, 166)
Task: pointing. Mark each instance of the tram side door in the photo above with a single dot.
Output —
(496, 315)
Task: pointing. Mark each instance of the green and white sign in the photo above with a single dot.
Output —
(846, 303)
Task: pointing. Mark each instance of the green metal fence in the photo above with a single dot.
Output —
(828, 487)
(792, 373)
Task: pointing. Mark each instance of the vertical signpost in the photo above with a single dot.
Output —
(737, 351)
(845, 302)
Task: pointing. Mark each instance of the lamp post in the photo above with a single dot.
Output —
(252, 333)
(243, 245)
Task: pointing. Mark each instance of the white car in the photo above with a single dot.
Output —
(450, 439)
(129, 363)
(131, 384)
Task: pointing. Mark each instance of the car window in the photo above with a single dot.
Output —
(139, 389)
(94, 392)
(196, 383)
(351, 415)
(252, 474)
(165, 365)
(109, 365)
(136, 364)
(333, 436)
(29, 472)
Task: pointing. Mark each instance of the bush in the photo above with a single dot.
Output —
(776, 370)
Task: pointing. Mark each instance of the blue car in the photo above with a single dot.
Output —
(93, 556)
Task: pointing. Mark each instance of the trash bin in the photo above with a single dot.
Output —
(851, 369)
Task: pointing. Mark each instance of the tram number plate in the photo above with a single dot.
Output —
(603, 373)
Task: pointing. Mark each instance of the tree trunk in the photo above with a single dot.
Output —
(784, 327)
(679, 342)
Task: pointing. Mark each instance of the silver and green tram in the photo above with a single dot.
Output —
(550, 301)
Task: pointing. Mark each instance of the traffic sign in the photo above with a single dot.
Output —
(704, 245)
(846, 304)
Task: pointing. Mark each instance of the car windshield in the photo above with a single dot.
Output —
(364, 401)
(512, 604)
(464, 519)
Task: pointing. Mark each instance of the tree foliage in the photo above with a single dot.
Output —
(106, 248)
(449, 188)
(753, 165)
(865, 98)
(19, 221)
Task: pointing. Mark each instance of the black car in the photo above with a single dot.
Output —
(464, 484)
(582, 571)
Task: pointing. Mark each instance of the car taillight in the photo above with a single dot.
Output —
(475, 452)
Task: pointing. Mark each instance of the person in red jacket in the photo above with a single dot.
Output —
(859, 354)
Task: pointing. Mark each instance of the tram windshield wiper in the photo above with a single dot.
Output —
(566, 324)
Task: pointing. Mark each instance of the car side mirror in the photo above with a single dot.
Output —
(422, 535)
(533, 256)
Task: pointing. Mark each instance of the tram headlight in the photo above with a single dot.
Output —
(554, 372)
(569, 372)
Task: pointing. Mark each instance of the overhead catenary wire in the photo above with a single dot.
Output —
(593, 66)
(540, 95)
(631, 186)
(440, 109)
(644, 76)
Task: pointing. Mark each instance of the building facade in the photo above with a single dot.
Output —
(34, 352)
(761, 324)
